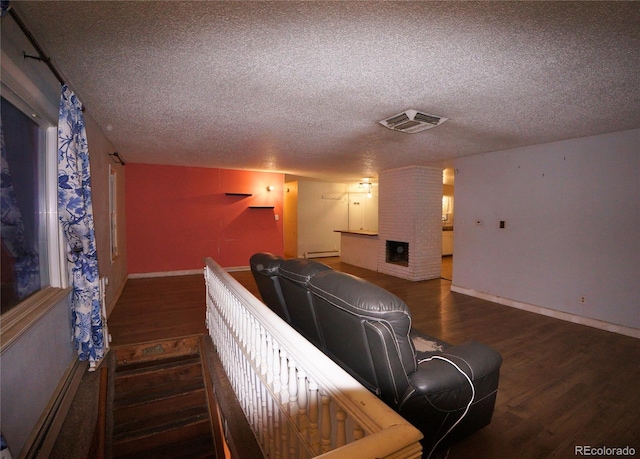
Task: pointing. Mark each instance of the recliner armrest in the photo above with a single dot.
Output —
(445, 387)
(441, 402)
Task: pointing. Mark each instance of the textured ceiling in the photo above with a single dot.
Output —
(299, 87)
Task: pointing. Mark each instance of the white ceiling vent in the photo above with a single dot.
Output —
(412, 121)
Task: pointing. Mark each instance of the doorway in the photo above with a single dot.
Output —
(446, 269)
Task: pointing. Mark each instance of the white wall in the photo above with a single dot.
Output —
(322, 209)
(572, 227)
(32, 367)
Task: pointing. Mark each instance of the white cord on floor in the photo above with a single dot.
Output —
(473, 395)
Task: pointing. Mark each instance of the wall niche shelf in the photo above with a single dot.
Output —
(239, 194)
(261, 207)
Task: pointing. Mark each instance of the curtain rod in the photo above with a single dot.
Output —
(42, 56)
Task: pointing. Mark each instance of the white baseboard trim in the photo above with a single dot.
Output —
(322, 254)
(595, 323)
(237, 268)
(186, 272)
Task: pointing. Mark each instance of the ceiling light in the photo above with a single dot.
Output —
(412, 121)
(367, 185)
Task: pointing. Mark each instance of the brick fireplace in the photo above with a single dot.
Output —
(410, 222)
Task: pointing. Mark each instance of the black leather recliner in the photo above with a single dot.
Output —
(448, 392)
(294, 277)
(265, 270)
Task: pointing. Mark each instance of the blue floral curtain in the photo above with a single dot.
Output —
(76, 216)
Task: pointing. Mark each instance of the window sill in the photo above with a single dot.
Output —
(18, 320)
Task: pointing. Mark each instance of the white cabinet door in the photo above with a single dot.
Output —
(447, 243)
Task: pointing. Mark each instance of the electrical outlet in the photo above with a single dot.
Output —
(583, 299)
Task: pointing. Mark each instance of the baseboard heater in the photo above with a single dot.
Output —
(42, 439)
(322, 254)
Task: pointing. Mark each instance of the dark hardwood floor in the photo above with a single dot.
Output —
(562, 385)
(158, 308)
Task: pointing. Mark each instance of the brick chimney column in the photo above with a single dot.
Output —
(410, 210)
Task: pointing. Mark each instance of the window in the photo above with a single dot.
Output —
(33, 271)
(25, 263)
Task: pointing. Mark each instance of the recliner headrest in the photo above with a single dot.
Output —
(355, 294)
(266, 263)
(301, 269)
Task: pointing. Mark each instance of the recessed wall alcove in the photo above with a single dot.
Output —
(397, 253)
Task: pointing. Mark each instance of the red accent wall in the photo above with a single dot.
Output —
(177, 216)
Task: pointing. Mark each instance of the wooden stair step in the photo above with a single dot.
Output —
(158, 381)
(152, 365)
(158, 407)
(164, 392)
(195, 448)
(125, 377)
(162, 436)
(160, 404)
(143, 427)
(142, 352)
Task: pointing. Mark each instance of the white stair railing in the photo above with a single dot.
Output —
(299, 403)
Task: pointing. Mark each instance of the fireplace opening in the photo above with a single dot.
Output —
(398, 253)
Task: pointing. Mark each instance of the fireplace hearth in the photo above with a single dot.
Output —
(398, 253)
